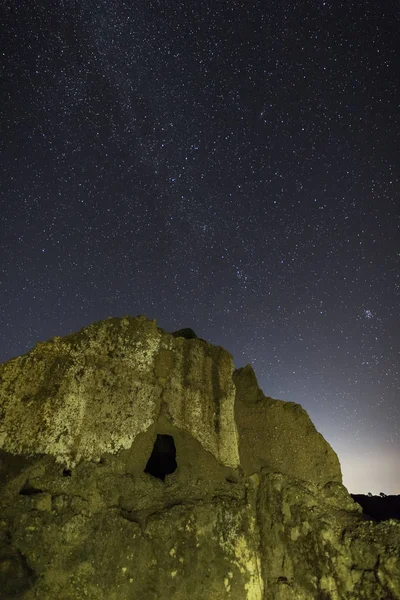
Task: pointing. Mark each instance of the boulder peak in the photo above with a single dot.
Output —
(93, 392)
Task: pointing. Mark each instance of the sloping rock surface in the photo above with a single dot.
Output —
(279, 436)
(137, 464)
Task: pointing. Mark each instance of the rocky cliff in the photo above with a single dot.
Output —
(137, 464)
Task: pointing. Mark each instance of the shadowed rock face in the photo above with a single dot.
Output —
(138, 464)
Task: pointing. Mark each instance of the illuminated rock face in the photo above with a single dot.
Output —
(137, 464)
(93, 392)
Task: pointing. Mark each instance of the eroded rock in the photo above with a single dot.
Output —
(136, 464)
(95, 391)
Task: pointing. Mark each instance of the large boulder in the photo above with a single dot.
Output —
(137, 464)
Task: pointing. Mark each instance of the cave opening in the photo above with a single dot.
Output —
(162, 461)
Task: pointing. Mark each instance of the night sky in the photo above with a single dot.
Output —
(229, 166)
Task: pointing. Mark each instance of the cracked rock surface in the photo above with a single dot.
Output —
(137, 464)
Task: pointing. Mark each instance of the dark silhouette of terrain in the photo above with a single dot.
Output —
(379, 508)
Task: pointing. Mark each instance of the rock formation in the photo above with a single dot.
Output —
(137, 464)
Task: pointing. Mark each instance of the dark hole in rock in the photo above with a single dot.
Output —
(231, 479)
(29, 490)
(67, 473)
(162, 461)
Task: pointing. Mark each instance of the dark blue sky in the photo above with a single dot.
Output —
(231, 167)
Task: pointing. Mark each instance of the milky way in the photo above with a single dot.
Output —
(227, 166)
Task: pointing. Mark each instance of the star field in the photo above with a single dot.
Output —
(231, 167)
